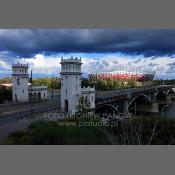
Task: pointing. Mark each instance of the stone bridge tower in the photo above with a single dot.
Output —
(20, 82)
(70, 83)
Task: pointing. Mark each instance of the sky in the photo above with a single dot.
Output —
(101, 50)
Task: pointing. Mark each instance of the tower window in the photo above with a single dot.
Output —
(66, 77)
(76, 87)
(66, 91)
(23, 91)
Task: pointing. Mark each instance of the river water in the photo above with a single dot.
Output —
(169, 112)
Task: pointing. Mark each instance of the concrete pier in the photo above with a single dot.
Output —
(153, 97)
(154, 107)
(125, 106)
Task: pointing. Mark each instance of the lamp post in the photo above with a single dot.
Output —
(135, 107)
(52, 86)
(163, 109)
(31, 99)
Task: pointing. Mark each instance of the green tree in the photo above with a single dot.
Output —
(83, 106)
(5, 80)
(110, 84)
(85, 82)
(5, 94)
(101, 84)
(54, 83)
(116, 84)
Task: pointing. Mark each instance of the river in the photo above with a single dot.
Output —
(169, 112)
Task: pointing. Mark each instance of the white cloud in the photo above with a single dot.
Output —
(4, 67)
(47, 65)
(161, 65)
(42, 64)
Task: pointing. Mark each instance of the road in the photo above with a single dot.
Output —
(15, 123)
(16, 117)
(10, 109)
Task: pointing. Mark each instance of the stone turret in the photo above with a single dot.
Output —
(70, 83)
(20, 79)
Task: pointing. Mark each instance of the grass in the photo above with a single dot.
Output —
(51, 133)
(140, 130)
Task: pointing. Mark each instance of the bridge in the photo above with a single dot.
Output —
(122, 99)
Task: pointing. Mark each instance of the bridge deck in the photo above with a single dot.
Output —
(111, 95)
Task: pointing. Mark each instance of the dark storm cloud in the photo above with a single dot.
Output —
(172, 66)
(26, 42)
(152, 65)
(137, 61)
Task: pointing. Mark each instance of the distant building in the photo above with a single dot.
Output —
(8, 85)
(54, 94)
(71, 90)
(38, 92)
(89, 93)
(124, 75)
(21, 88)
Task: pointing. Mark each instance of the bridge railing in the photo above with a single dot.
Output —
(111, 95)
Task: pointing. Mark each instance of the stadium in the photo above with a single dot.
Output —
(141, 76)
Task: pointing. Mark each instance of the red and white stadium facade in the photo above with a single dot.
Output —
(123, 76)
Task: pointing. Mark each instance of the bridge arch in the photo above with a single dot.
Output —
(160, 95)
(161, 92)
(113, 107)
(133, 99)
(170, 91)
